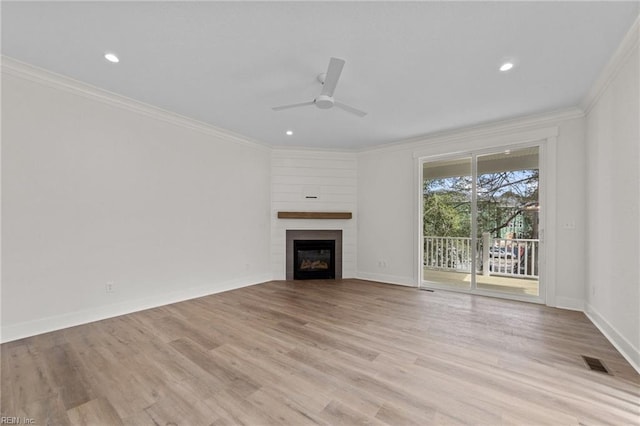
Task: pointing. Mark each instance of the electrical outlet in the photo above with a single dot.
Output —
(110, 287)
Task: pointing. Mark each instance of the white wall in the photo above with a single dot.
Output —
(571, 218)
(613, 203)
(329, 176)
(388, 200)
(387, 236)
(96, 188)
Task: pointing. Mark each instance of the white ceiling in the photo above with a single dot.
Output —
(415, 67)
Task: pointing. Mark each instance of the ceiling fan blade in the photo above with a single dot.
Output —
(333, 74)
(350, 109)
(280, 108)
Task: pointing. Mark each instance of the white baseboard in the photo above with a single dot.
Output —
(58, 322)
(628, 351)
(569, 303)
(387, 279)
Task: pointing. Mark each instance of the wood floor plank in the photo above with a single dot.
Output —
(358, 399)
(337, 413)
(179, 408)
(48, 411)
(326, 340)
(24, 377)
(96, 412)
(162, 367)
(117, 381)
(140, 418)
(233, 409)
(223, 375)
(325, 352)
(178, 329)
(392, 414)
(300, 384)
(283, 410)
(66, 376)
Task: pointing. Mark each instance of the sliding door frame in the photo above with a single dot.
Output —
(544, 139)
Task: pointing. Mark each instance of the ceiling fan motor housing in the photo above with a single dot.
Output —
(324, 102)
(325, 99)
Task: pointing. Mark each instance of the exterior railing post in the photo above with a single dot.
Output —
(486, 245)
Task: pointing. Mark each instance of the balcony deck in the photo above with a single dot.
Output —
(524, 286)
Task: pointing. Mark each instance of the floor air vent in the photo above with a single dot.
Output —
(595, 364)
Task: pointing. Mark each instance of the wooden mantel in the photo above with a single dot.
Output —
(314, 215)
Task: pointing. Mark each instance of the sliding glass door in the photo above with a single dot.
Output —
(447, 213)
(481, 223)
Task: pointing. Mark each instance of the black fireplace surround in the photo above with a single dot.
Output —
(325, 235)
(314, 259)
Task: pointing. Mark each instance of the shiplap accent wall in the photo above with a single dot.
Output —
(332, 177)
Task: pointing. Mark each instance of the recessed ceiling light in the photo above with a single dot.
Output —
(506, 66)
(289, 132)
(111, 57)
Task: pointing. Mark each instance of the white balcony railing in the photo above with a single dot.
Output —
(504, 256)
(448, 253)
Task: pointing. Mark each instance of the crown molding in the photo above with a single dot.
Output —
(494, 129)
(15, 68)
(291, 152)
(629, 44)
(300, 148)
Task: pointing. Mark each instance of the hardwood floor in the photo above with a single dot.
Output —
(323, 352)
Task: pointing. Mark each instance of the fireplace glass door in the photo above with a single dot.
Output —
(314, 259)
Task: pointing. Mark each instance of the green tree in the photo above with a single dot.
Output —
(447, 210)
(507, 196)
(501, 198)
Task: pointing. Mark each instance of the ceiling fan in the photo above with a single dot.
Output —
(325, 99)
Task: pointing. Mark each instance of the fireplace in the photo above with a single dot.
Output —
(314, 259)
(313, 254)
